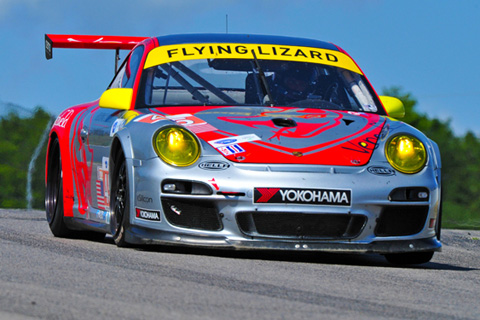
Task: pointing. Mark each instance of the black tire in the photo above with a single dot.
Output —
(409, 258)
(92, 236)
(54, 193)
(438, 226)
(119, 201)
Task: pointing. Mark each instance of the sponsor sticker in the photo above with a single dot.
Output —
(381, 171)
(101, 185)
(105, 161)
(187, 51)
(233, 140)
(116, 126)
(196, 125)
(148, 214)
(337, 197)
(150, 118)
(103, 216)
(214, 165)
(62, 119)
(229, 150)
(143, 198)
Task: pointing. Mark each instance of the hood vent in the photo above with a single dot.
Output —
(284, 122)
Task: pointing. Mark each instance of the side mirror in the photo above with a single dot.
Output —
(116, 98)
(393, 106)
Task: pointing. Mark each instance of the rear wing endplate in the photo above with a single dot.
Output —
(116, 43)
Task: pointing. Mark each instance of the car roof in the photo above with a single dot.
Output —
(243, 38)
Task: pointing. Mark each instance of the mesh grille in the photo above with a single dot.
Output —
(192, 214)
(401, 220)
(301, 225)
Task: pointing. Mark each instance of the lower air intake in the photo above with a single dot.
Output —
(193, 214)
(401, 221)
(301, 225)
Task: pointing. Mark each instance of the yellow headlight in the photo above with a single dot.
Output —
(406, 153)
(176, 146)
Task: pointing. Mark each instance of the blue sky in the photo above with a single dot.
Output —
(430, 48)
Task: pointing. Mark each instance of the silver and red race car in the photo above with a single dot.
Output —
(242, 142)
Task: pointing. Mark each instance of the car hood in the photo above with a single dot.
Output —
(281, 135)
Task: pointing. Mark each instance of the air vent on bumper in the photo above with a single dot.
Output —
(301, 225)
(193, 214)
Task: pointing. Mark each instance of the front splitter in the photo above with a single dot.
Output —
(139, 235)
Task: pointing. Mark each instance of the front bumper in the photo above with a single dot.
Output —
(375, 222)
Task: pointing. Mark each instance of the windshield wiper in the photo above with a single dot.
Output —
(263, 79)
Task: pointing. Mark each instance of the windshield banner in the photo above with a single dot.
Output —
(191, 51)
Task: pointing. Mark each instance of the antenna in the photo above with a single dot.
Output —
(226, 23)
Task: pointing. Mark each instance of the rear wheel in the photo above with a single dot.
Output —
(409, 258)
(54, 193)
(119, 203)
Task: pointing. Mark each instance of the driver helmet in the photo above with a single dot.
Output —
(294, 82)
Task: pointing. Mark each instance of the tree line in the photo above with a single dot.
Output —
(460, 164)
(20, 136)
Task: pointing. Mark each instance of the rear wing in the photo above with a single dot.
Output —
(116, 43)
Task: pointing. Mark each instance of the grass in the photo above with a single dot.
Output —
(459, 217)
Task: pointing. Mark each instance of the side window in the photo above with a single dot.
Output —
(131, 68)
(125, 77)
(117, 81)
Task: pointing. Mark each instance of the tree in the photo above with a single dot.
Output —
(18, 139)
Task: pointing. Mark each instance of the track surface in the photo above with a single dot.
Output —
(46, 277)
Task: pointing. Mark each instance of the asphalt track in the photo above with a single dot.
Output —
(51, 278)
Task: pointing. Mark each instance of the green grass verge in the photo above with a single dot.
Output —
(459, 217)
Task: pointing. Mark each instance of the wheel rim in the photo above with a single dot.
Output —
(120, 199)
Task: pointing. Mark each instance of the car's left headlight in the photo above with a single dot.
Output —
(406, 153)
(176, 146)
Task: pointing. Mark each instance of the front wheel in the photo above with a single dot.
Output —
(409, 258)
(119, 201)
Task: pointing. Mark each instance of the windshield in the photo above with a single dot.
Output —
(255, 82)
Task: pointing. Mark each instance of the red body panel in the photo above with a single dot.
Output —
(62, 128)
(319, 137)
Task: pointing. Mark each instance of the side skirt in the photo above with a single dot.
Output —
(86, 225)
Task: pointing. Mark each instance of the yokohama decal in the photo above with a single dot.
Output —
(303, 196)
(265, 194)
(148, 214)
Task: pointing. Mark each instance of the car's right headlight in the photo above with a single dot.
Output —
(406, 153)
(176, 146)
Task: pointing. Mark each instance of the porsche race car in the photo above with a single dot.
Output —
(244, 142)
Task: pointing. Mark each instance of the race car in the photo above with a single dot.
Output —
(237, 141)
